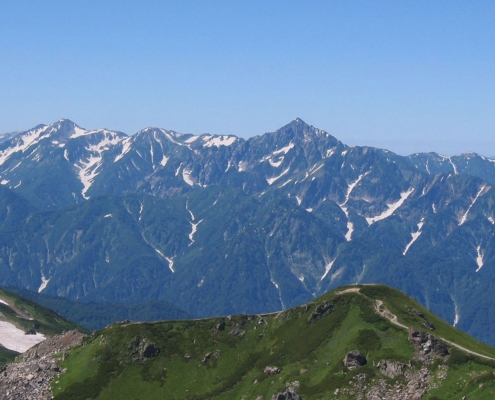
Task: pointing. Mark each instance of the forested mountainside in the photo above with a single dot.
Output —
(217, 225)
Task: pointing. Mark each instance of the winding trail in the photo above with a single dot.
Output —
(385, 313)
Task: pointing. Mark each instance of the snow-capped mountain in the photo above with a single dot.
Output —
(219, 224)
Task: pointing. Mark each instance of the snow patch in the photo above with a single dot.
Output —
(457, 317)
(79, 132)
(414, 235)
(126, 146)
(189, 211)
(15, 339)
(192, 139)
(194, 229)
(220, 141)
(272, 180)
(328, 267)
(277, 163)
(279, 293)
(391, 208)
(319, 167)
(23, 142)
(172, 137)
(285, 183)
(479, 258)
(464, 217)
(350, 188)
(242, 166)
(44, 283)
(170, 264)
(284, 150)
(186, 175)
(88, 169)
(453, 166)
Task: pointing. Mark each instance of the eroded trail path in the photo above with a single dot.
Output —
(385, 313)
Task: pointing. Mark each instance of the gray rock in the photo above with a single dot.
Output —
(320, 310)
(427, 343)
(272, 370)
(354, 359)
(288, 395)
(142, 350)
(221, 326)
(206, 357)
(391, 369)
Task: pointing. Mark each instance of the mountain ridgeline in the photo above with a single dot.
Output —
(364, 341)
(219, 225)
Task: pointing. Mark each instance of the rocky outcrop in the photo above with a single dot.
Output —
(288, 395)
(143, 350)
(272, 370)
(31, 377)
(210, 355)
(354, 359)
(320, 310)
(426, 343)
(391, 369)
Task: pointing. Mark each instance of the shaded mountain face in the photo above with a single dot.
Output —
(218, 225)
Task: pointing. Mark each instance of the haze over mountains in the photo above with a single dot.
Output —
(218, 225)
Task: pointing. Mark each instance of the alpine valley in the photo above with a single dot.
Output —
(216, 225)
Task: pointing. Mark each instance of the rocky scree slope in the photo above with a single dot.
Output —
(23, 324)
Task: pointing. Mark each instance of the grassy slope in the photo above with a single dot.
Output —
(96, 315)
(103, 367)
(43, 319)
(27, 315)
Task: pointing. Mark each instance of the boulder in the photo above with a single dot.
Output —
(206, 357)
(354, 359)
(272, 371)
(288, 395)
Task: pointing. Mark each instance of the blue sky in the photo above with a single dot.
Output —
(408, 76)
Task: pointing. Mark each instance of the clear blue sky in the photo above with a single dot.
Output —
(403, 75)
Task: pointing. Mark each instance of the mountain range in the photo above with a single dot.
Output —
(218, 225)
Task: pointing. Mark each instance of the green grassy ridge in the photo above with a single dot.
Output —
(400, 304)
(97, 315)
(43, 319)
(105, 365)
(27, 315)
